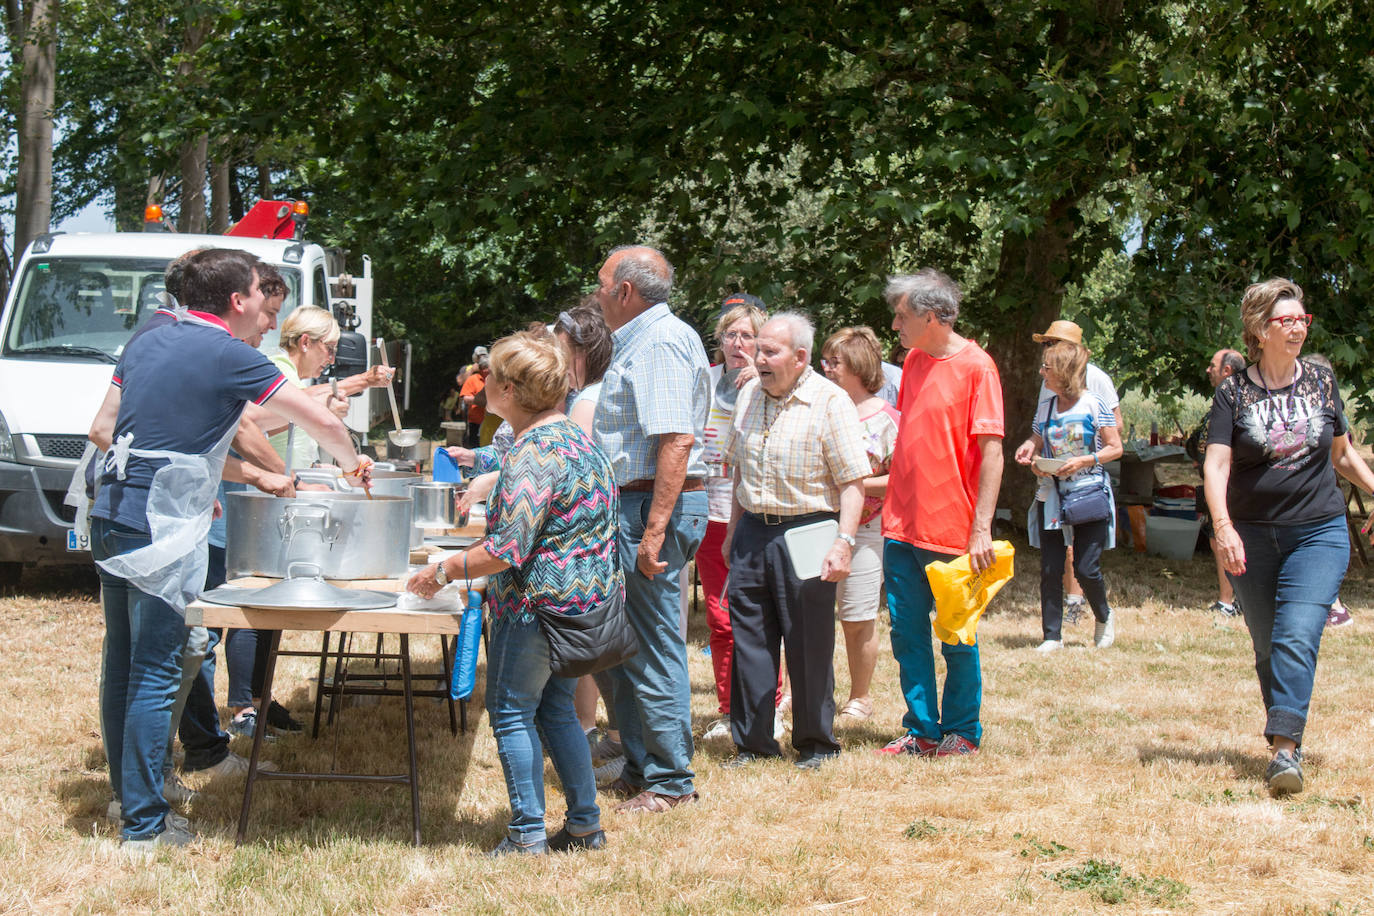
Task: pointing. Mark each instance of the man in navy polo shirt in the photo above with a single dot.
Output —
(183, 387)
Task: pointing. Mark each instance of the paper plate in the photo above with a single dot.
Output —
(807, 546)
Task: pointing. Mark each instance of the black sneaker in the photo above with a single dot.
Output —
(563, 840)
(1284, 776)
(279, 717)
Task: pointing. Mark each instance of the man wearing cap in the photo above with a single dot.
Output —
(942, 493)
(1100, 384)
(797, 451)
(649, 422)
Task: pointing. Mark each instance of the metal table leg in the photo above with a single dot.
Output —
(260, 733)
(410, 736)
(319, 685)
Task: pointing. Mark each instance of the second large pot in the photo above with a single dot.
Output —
(346, 534)
(436, 505)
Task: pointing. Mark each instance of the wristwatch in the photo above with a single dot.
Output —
(847, 538)
(439, 575)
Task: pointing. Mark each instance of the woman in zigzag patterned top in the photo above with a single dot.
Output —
(551, 543)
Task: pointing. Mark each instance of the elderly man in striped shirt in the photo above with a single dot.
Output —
(650, 422)
(797, 448)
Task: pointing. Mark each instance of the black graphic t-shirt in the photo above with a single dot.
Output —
(1280, 441)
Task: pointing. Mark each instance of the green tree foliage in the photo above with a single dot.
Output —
(487, 154)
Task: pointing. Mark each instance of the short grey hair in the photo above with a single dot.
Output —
(927, 290)
(799, 328)
(643, 268)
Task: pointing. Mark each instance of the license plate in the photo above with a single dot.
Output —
(78, 542)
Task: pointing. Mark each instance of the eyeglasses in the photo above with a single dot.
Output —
(738, 337)
(330, 349)
(1044, 367)
(828, 364)
(1288, 322)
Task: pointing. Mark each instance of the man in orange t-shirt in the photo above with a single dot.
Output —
(472, 402)
(941, 496)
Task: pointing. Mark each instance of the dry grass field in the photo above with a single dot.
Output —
(1126, 780)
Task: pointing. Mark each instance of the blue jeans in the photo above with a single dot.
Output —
(653, 695)
(1292, 576)
(526, 702)
(910, 603)
(141, 672)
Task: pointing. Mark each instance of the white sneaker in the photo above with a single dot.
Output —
(719, 730)
(1104, 633)
(177, 792)
(234, 764)
(176, 832)
(1050, 645)
(173, 789)
(609, 771)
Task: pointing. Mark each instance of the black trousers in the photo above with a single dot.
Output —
(1088, 543)
(769, 607)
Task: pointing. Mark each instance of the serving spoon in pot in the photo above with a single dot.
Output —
(401, 438)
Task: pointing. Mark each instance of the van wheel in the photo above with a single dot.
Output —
(9, 576)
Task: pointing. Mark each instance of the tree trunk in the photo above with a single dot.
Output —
(219, 193)
(264, 182)
(37, 82)
(1029, 271)
(235, 195)
(194, 159)
(194, 156)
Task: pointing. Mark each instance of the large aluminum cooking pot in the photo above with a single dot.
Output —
(346, 534)
(384, 483)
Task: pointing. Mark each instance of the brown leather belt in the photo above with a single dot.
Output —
(691, 484)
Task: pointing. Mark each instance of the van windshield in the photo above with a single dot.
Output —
(88, 308)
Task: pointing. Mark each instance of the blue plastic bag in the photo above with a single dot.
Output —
(464, 676)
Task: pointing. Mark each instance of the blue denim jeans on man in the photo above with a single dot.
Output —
(653, 694)
(141, 672)
(525, 701)
(910, 603)
(1292, 576)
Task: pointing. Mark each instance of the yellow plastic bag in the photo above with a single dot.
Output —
(961, 596)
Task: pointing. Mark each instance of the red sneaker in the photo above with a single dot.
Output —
(955, 746)
(914, 745)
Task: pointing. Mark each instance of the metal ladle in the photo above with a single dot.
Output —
(401, 438)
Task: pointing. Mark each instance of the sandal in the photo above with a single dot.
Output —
(858, 709)
(656, 803)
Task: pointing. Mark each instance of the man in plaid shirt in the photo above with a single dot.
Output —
(650, 422)
(797, 448)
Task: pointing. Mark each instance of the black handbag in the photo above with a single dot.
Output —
(1083, 500)
(1088, 502)
(587, 643)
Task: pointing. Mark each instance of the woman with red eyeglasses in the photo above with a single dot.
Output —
(1276, 435)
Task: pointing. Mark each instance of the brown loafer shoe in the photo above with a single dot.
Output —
(656, 803)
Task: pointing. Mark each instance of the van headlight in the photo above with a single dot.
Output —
(6, 443)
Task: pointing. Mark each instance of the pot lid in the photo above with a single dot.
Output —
(308, 593)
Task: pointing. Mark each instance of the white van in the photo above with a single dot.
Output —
(74, 303)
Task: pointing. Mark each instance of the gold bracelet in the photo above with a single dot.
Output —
(1225, 521)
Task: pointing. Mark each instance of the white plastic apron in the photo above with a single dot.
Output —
(181, 505)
